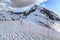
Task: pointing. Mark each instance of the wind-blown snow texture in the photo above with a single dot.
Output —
(13, 31)
(37, 20)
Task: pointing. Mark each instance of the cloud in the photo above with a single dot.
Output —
(25, 3)
(19, 4)
(40, 1)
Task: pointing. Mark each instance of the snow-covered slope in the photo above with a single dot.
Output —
(37, 20)
(25, 30)
(36, 14)
(12, 30)
(15, 30)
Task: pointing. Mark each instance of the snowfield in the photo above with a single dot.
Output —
(23, 30)
(12, 30)
(36, 23)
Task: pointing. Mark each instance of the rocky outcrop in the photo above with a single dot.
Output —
(50, 14)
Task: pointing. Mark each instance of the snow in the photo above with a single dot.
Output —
(36, 26)
(22, 30)
(39, 18)
(56, 26)
(12, 30)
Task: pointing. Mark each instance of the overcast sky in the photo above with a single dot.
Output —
(25, 3)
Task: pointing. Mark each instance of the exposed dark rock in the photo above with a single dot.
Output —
(30, 11)
(25, 13)
(50, 14)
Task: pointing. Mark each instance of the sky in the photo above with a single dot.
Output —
(53, 5)
(25, 3)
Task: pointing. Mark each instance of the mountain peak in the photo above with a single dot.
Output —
(36, 10)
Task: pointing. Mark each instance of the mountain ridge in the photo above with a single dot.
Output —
(48, 13)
